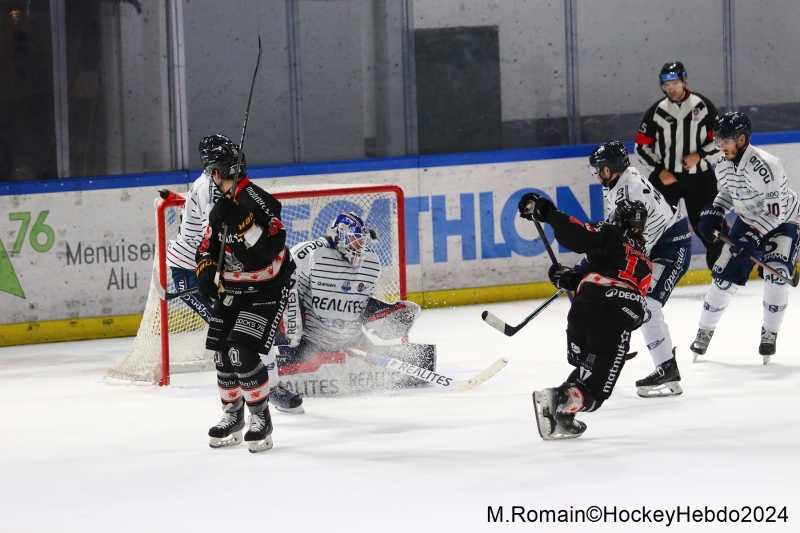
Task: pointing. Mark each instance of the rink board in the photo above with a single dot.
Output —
(85, 250)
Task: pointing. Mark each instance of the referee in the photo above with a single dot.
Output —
(675, 143)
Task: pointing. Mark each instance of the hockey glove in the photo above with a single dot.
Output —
(748, 243)
(234, 215)
(206, 270)
(534, 206)
(564, 278)
(711, 219)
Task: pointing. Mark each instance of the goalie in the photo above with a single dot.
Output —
(330, 304)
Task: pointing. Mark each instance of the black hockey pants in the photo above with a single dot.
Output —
(598, 338)
(238, 333)
(697, 190)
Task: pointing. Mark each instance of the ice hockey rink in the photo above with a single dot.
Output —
(80, 454)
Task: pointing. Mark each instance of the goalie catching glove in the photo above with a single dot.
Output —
(206, 270)
(390, 321)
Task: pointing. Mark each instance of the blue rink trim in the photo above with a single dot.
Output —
(185, 178)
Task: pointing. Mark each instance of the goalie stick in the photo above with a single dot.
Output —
(502, 327)
(793, 282)
(424, 374)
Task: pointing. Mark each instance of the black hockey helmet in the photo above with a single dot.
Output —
(211, 147)
(674, 70)
(612, 154)
(732, 124)
(223, 157)
(631, 215)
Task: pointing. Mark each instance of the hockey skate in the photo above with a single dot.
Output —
(259, 436)
(767, 346)
(551, 424)
(286, 400)
(228, 431)
(664, 381)
(700, 344)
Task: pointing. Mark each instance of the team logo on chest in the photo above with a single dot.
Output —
(696, 114)
(346, 286)
(361, 287)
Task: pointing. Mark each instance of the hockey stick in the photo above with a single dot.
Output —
(793, 282)
(232, 190)
(502, 327)
(167, 296)
(549, 250)
(424, 374)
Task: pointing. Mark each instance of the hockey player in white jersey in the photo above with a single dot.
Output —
(331, 303)
(181, 251)
(753, 184)
(668, 244)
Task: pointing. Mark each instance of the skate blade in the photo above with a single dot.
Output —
(545, 424)
(291, 410)
(767, 358)
(256, 446)
(222, 442)
(672, 388)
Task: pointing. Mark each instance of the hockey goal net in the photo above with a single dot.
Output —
(171, 336)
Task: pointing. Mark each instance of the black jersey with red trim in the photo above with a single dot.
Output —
(251, 267)
(618, 272)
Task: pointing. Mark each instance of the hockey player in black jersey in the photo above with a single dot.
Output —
(249, 300)
(609, 304)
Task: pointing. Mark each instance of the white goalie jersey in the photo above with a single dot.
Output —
(332, 295)
(632, 185)
(757, 190)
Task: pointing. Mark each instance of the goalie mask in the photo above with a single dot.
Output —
(350, 237)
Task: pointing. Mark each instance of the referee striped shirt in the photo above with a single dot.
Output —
(671, 130)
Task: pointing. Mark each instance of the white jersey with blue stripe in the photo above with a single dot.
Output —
(757, 190)
(632, 185)
(199, 201)
(332, 293)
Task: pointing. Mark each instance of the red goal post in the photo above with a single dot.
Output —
(171, 336)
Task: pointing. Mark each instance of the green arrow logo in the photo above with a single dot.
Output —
(8, 278)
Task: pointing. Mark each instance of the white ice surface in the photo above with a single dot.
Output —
(78, 454)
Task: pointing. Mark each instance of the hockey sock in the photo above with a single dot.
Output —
(229, 390)
(255, 388)
(656, 333)
(714, 305)
(776, 298)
